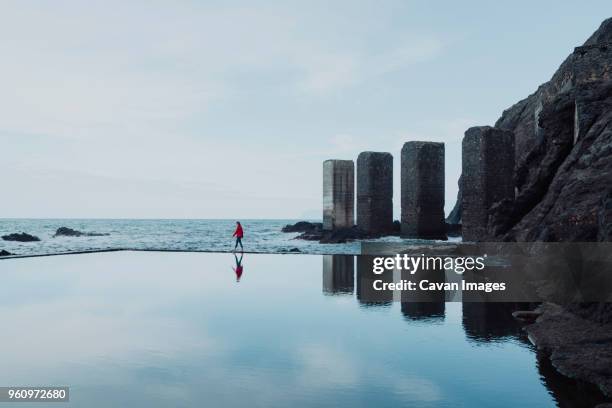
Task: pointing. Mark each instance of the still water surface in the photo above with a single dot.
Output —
(178, 329)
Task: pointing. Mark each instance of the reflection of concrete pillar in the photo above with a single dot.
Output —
(488, 176)
(423, 190)
(338, 274)
(424, 304)
(375, 191)
(338, 194)
(365, 279)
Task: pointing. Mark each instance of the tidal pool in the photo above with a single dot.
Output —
(150, 329)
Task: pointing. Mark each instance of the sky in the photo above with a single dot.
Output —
(227, 109)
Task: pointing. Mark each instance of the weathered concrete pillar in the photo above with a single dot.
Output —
(423, 190)
(487, 176)
(338, 194)
(338, 274)
(375, 192)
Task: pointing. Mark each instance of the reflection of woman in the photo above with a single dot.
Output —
(238, 268)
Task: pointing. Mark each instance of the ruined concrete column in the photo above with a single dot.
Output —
(422, 187)
(487, 176)
(338, 194)
(375, 192)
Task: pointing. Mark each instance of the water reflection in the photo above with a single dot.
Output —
(239, 268)
(152, 330)
(483, 322)
(486, 322)
(366, 295)
(424, 305)
(567, 392)
(338, 274)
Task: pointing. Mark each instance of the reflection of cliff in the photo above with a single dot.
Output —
(492, 321)
(338, 274)
(568, 393)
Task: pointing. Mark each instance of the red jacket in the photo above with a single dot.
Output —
(238, 233)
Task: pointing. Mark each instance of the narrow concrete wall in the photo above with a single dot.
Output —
(338, 194)
(487, 176)
(375, 192)
(422, 184)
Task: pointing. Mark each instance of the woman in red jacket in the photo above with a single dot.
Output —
(238, 234)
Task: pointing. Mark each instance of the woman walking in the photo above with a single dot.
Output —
(239, 233)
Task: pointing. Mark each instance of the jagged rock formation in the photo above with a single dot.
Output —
(454, 218)
(303, 226)
(4, 252)
(23, 237)
(69, 232)
(563, 149)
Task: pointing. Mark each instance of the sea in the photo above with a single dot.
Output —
(261, 236)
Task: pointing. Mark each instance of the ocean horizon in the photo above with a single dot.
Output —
(209, 235)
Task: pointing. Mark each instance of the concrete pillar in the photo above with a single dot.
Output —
(422, 186)
(338, 274)
(375, 192)
(338, 194)
(487, 176)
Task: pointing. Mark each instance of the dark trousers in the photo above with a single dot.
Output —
(238, 241)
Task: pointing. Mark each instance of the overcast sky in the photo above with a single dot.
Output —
(227, 109)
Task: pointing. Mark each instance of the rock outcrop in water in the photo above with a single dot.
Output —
(303, 226)
(69, 232)
(5, 253)
(23, 237)
(563, 138)
(313, 231)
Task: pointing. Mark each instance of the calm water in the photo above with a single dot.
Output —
(147, 329)
(192, 235)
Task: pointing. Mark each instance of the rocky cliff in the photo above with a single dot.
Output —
(563, 152)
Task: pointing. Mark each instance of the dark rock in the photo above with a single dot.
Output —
(23, 237)
(4, 253)
(338, 235)
(69, 232)
(455, 215)
(578, 348)
(453, 230)
(315, 232)
(303, 226)
(526, 315)
(295, 250)
(605, 219)
(563, 144)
